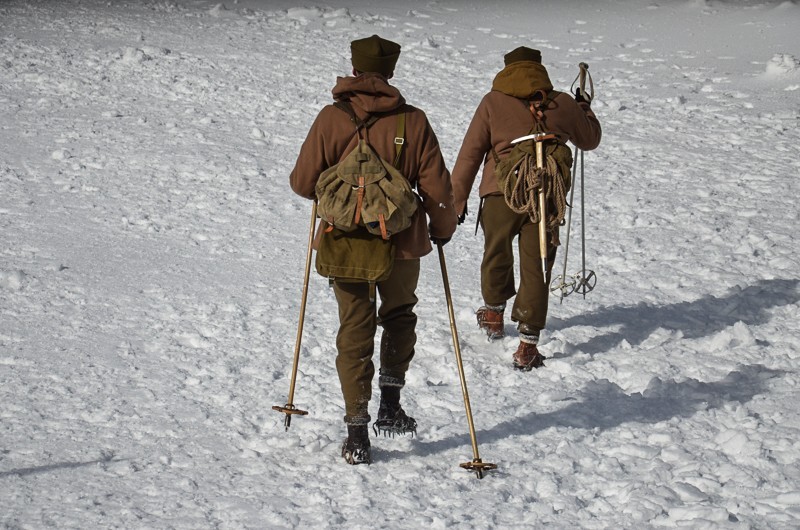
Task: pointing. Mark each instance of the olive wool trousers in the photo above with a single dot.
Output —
(500, 226)
(358, 321)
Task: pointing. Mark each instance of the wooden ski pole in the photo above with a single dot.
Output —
(289, 409)
(477, 465)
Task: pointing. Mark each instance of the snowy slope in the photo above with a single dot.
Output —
(151, 265)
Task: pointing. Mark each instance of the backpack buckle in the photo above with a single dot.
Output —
(399, 141)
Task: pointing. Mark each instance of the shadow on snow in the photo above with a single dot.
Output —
(695, 319)
(603, 405)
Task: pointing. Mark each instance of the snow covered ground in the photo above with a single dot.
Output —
(151, 265)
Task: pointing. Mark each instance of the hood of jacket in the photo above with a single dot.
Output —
(522, 79)
(370, 91)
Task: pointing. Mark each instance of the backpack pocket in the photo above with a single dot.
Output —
(354, 256)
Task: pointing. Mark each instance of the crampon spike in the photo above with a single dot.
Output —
(289, 410)
(478, 467)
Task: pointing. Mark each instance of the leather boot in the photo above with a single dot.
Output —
(527, 355)
(490, 319)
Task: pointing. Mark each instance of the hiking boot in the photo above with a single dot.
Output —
(527, 355)
(392, 419)
(355, 449)
(490, 319)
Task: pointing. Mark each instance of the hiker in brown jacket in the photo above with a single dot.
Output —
(519, 91)
(331, 138)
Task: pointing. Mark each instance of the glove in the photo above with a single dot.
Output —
(440, 240)
(463, 216)
(583, 98)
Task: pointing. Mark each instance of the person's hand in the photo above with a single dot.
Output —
(583, 98)
(440, 240)
(463, 216)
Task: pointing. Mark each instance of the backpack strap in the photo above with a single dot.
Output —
(400, 138)
(400, 134)
(537, 104)
(347, 107)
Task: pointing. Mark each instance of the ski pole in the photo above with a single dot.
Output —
(585, 283)
(477, 465)
(289, 409)
(560, 283)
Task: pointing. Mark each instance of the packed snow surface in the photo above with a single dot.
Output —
(152, 260)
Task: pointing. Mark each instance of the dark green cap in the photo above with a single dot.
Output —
(374, 54)
(523, 53)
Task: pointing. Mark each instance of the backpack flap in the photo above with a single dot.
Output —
(365, 190)
(336, 200)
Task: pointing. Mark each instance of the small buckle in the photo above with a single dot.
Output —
(399, 141)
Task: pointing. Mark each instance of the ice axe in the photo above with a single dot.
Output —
(539, 138)
(289, 409)
(477, 465)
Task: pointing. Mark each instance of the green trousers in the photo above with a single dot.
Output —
(358, 323)
(500, 227)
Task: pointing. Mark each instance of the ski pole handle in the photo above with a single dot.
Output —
(584, 73)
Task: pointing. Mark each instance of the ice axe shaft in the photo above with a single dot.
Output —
(477, 465)
(539, 139)
(289, 409)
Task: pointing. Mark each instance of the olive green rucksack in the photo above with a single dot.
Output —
(365, 190)
(364, 200)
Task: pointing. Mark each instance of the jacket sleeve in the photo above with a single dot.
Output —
(310, 162)
(434, 187)
(476, 144)
(584, 128)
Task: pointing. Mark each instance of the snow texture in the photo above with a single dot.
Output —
(152, 257)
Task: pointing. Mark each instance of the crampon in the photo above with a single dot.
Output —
(393, 423)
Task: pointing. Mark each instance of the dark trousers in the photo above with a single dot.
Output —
(358, 323)
(500, 227)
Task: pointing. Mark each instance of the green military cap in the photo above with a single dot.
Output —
(523, 53)
(374, 54)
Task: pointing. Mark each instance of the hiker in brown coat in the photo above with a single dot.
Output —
(331, 138)
(519, 92)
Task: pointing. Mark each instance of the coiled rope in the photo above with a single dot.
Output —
(521, 195)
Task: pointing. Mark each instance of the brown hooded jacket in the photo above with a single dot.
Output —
(332, 137)
(503, 116)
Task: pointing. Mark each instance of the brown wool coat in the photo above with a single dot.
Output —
(502, 116)
(332, 137)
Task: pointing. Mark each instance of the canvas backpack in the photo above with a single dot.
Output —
(364, 189)
(519, 179)
(364, 200)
